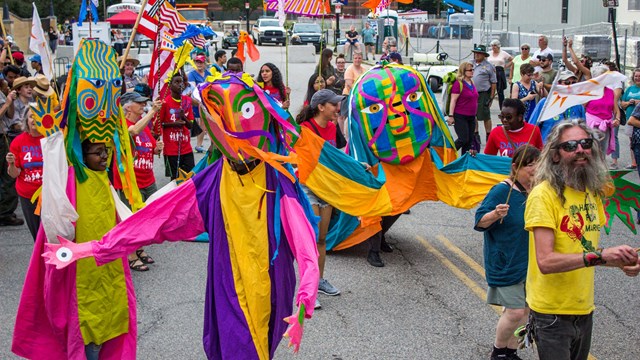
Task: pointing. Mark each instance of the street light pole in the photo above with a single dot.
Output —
(246, 7)
(337, 33)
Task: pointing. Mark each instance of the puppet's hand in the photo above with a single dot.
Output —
(296, 328)
(66, 252)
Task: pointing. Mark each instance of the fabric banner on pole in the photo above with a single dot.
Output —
(39, 45)
(566, 96)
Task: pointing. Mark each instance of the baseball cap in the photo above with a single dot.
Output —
(18, 55)
(547, 56)
(395, 56)
(142, 89)
(566, 75)
(325, 96)
(200, 58)
(36, 58)
(132, 97)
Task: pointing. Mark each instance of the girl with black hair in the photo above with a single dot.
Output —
(271, 77)
(315, 84)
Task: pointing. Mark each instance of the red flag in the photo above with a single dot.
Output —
(148, 25)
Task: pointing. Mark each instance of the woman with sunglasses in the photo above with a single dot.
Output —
(499, 59)
(527, 90)
(463, 107)
(514, 66)
(506, 248)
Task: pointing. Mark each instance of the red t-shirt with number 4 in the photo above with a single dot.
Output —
(176, 137)
(28, 153)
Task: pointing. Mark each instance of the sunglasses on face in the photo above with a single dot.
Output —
(524, 48)
(505, 117)
(570, 82)
(572, 145)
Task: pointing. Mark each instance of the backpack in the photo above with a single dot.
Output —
(449, 79)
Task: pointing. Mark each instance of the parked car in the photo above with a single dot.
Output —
(230, 33)
(308, 33)
(268, 30)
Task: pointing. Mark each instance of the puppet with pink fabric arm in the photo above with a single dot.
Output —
(258, 222)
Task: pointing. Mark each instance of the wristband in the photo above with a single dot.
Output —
(593, 258)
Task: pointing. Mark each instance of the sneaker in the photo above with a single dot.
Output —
(199, 149)
(326, 288)
(631, 167)
(613, 166)
(11, 221)
(317, 305)
(374, 259)
(514, 356)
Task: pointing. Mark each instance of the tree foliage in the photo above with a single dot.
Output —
(239, 4)
(63, 9)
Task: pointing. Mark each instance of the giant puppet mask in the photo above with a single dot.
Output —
(392, 105)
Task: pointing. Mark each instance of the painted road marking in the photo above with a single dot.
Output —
(475, 288)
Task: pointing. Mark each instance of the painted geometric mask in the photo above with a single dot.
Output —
(240, 112)
(394, 111)
(98, 89)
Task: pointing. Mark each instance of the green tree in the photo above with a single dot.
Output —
(63, 9)
(239, 4)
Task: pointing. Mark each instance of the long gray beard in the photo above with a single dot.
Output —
(590, 176)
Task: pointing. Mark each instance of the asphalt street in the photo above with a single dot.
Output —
(426, 303)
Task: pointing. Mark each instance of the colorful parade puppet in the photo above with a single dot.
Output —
(396, 127)
(258, 223)
(62, 314)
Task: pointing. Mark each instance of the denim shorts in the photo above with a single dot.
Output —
(313, 199)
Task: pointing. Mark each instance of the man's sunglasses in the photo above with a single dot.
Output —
(572, 145)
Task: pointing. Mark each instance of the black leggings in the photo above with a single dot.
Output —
(32, 220)
(376, 240)
(465, 126)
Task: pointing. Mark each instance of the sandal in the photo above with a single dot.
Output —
(145, 259)
(137, 265)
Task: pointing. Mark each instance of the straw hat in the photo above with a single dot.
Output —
(23, 81)
(135, 61)
(42, 86)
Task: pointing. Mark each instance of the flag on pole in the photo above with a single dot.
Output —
(148, 25)
(93, 5)
(39, 45)
(566, 96)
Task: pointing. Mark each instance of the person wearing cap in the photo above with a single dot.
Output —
(575, 112)
(321, 116)
(195, 77)
(145, 148)
(129, 72)
(18, 58)
(220, 58)
(543, 50)
(25, 165)
(547, 72)
(36, 64)
(485, 79)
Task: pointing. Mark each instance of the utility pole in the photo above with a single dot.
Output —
(246, 7)
(337, 33)
(612, 5)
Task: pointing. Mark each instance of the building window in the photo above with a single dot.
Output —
(565, 11)
(482, 9)
(634, 5)
(496, 9)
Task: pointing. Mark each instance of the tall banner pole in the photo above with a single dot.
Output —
(133, 34)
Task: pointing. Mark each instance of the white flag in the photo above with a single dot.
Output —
(39, 44)
(566, 96)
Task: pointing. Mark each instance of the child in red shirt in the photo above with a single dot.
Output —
(176, 117)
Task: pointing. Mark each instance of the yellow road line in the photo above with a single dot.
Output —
(462, 255)
(475, 288)
(459, 273)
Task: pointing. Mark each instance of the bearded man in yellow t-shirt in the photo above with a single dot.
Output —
(564, 214)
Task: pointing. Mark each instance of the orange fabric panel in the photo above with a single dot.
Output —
(361, 234)
(308, 148)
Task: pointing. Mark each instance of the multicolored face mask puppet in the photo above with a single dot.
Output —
(85, 303)
(395, 112)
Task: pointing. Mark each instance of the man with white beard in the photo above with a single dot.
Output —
(564, 215)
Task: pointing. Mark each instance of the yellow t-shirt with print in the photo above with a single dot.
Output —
(576, 225)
